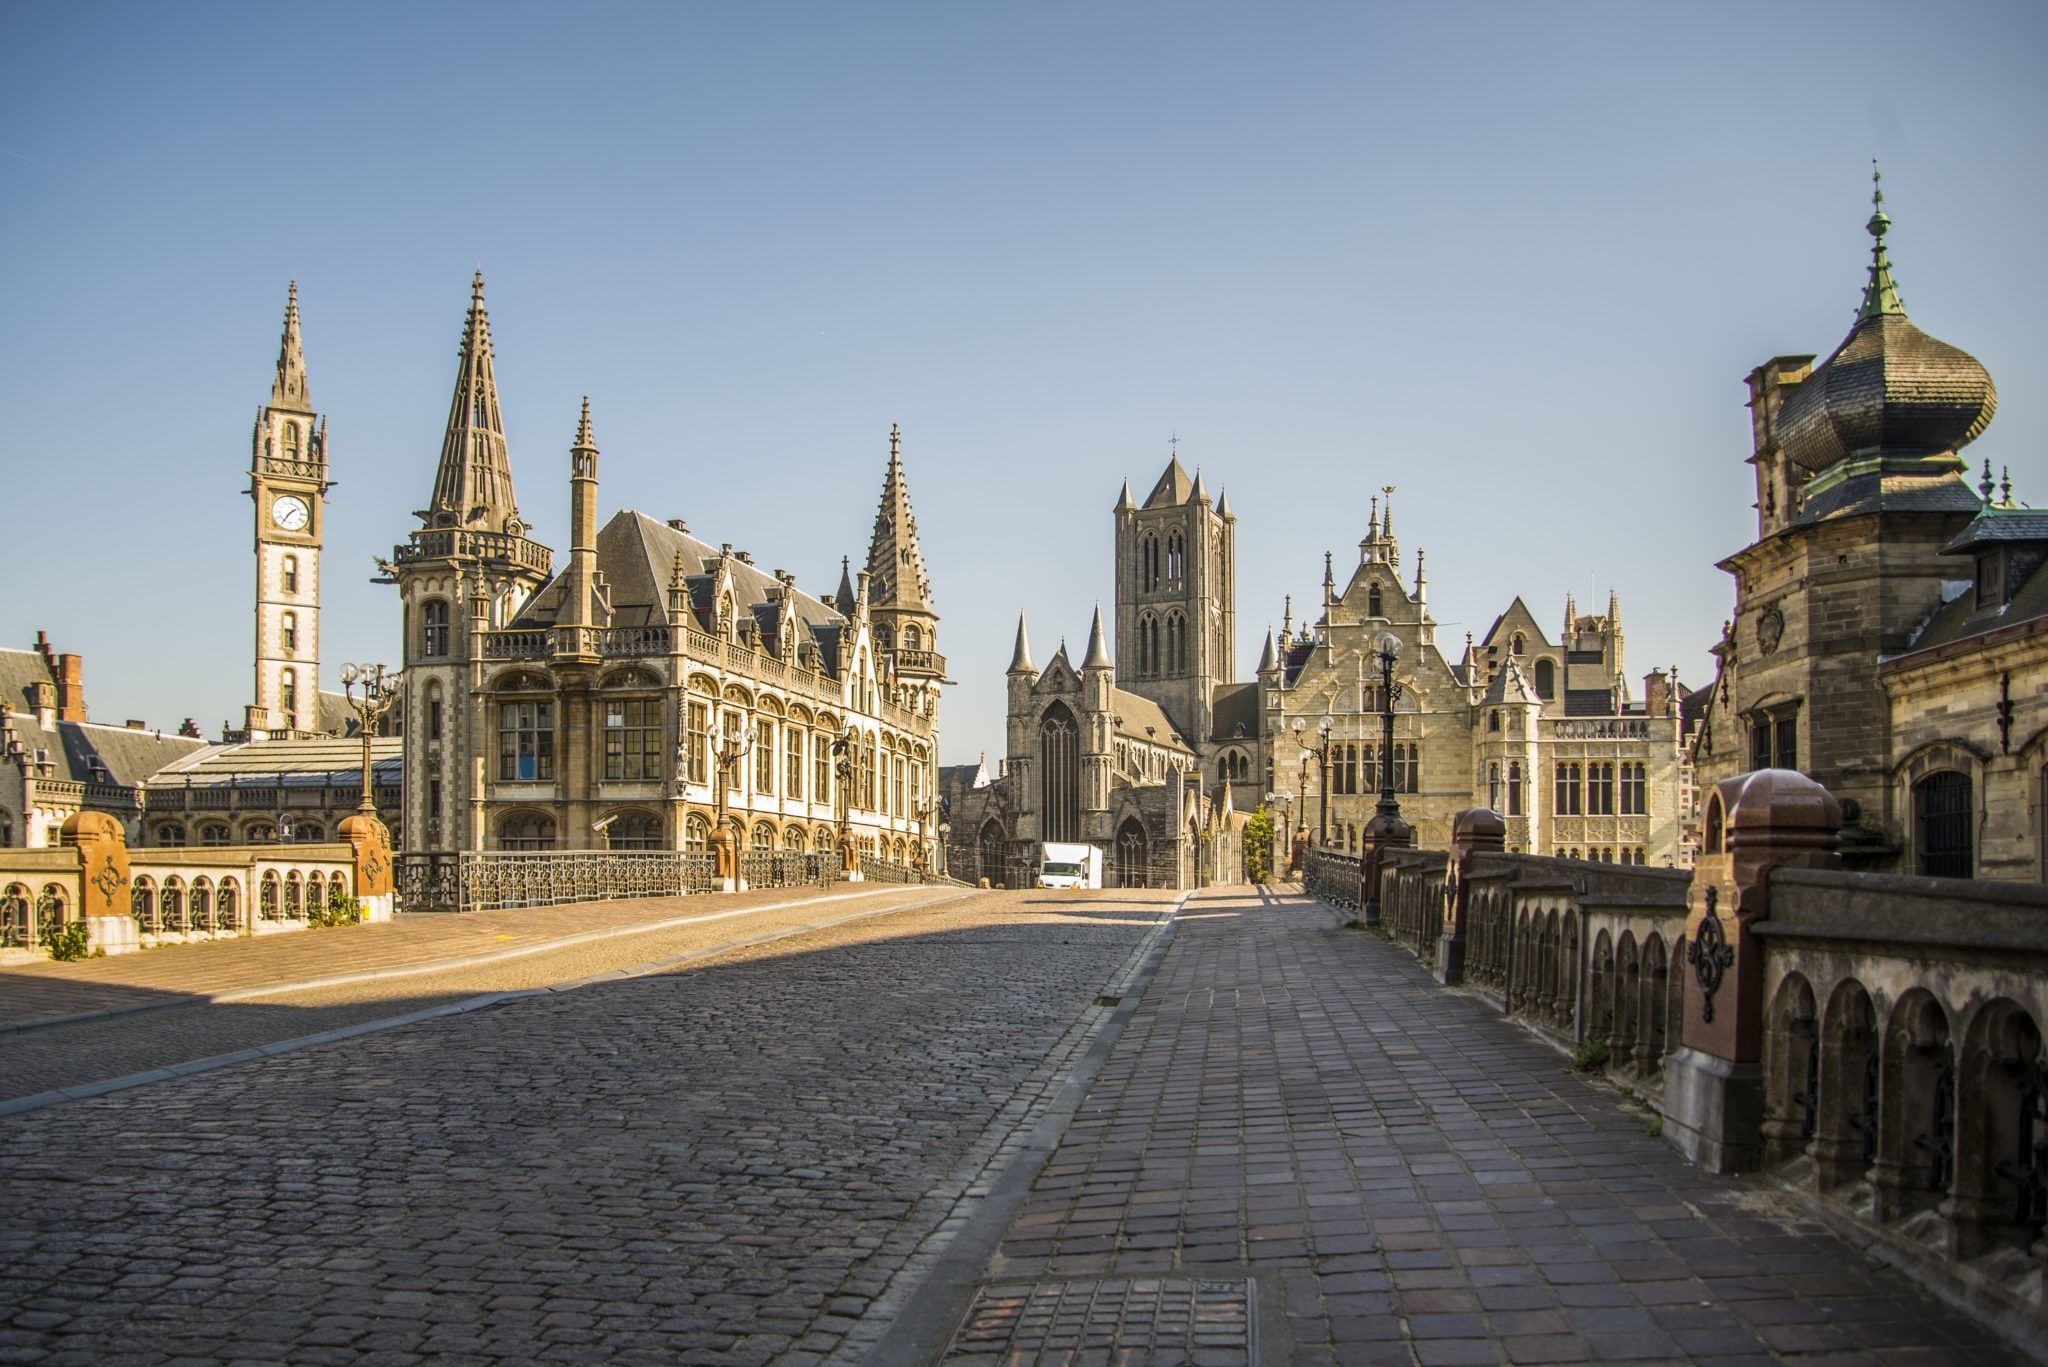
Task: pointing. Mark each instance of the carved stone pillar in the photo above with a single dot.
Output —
(370, 842)
(1475, 831)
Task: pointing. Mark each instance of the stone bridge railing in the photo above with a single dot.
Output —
(1873, 1042)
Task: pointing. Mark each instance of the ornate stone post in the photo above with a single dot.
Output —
(370, 842)
(104, 885)
(1476, 831)
(1714, 1085)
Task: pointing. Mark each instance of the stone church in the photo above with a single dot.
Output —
(657, 686)
(1890, 634)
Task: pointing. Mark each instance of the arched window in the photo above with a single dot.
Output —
(288, 632)
(288, 696)
(764, 836)
(434, 631)
(1373, 602)
(634, 831)
(696, 833)
(171, 836)
(1519, 645)
(434, 710)
(308, 832)
(989, 849)
(294, 897)
(291, 441)
(200, 914)
(316, 893)
(793, 839)
(227, 911)
(15, 929)
(288, 575)
(258, 833)
(1176, 558)
(1059, 748)
(1130, 854)
(213, 834)
(1514, 787)
(1941, 821)
(527, 831)
(913, 639)
(1148, 564)
(142, 904)
(1546, 679)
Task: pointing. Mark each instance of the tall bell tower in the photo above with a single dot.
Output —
(288, 481)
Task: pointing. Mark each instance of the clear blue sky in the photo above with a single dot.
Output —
(1514, 259)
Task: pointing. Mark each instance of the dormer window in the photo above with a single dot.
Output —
(1991, 579)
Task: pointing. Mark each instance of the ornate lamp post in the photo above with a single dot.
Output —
(843, 767)
(725, 845)
(1321, 750)
(1386, 830)
(379, 693)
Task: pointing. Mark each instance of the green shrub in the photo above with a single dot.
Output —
(341, 909)
(1655, 1129)
(1590, 1057)
(1258, 846)
(69, 942)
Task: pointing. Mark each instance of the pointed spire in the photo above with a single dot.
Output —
(1372, 527)
(288, 390)
(1098, 648)
(1387, 514)
(843, 599)
(2005, 492)
(1329, 574)
(1287, 619)
(1571, 614)
(1266, 655)
(1421, 582)
(1200, 493)
(579, 589)
(1126, 503)
(895, 560)
(1223, 506)
(1985, 485)
(1880, 296)
(1020, 658)
(473, 487)
(583, 440)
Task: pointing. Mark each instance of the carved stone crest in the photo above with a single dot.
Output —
(108, 880)
(1770, 629)
(1709, 955)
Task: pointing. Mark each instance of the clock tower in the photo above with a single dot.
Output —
(288, 481)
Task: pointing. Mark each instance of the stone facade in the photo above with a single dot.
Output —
(658, 688)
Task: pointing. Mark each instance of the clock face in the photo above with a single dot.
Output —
(290, 513)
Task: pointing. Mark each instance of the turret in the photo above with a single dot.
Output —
(899, 594)
(473, 486)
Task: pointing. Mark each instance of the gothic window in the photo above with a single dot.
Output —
(308, 832)
(213, 835)
(1414, 770)
(1635, 789)
(634, 831)
(1941, 820)
(821, 768)
(1373, 602)
(291, 441)
(288, 576)
(1176, 559)
(1774, 738)
(900, 809)
(1177, 644)
(434, 711)
(696, 832)
(913, 639)
(1600, 789)
(867, 775)
(1148, 564)
(527, 831)
(288, 632)
(1519, 645)
(764, 836)
(883, 639)
(171, 836)
(1546, 679)
(1566, 797)
(632, 738)
(1493, 720)
(697, 752)
(1059, 748)
(526, 741)
(1515, 788)
(764, 755)
(434, 635)
(793, 763)
(288, 696)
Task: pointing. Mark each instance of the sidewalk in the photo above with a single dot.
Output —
(1302, 1150)
(40, 994)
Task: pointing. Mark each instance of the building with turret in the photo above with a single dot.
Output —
(657, 686)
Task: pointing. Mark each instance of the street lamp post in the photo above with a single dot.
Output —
(1321, 750)
(1386, 830)
(379, 694)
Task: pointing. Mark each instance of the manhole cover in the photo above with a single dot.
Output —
(1135, 1322)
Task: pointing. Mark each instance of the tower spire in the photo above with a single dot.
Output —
(1098, 648)
(579, 602)
(895, 560)
(288, 390)
(1020, 658)
(1880, 296)
(473, 486)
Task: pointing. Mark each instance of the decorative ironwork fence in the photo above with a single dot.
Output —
(882, 871)
(486, 880)
(787, 868)
(1333, 877)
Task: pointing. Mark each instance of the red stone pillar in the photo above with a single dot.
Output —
(1476, 831)
(105, 889)
(1714, 1084)
(369, 841)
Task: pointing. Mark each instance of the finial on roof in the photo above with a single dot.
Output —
(2005, 493)
(1387, 514)
(1329, 575)
(1985, 485)
(895, 441)
(1200, 493)
(476, 288)
(584, 441)
(1880, 296)
(1266, 655)
(1223, 506)
(1125, 503)
(1421, 581)
(1287, 619)
(843, 600)
(1098, 647)
(1020, 658)
(1372, 527)
(289, 388)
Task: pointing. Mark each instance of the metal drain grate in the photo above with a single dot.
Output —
(1134, 1322)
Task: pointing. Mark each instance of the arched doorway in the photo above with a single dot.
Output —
(990, 851)
(1130, 854)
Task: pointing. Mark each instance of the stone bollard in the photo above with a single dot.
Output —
(106, 889)
(1714, 1084)
(1478, 830)
(369, 841)
(725, 849)
(1384, 832)
(849, 860)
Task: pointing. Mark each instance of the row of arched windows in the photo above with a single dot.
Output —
(642, 830)
(204, 907)
(1161, 562)
(1162, 645)
(176, 835)
(1354, 768)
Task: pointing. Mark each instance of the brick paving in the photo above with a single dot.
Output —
(1408, 1178)
(743, 1162)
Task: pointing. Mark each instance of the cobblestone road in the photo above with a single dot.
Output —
(1403, 1177)
(726, 1164)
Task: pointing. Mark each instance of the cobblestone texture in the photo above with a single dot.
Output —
(1135, 1322)
(1413, 1179)
(727, 1164)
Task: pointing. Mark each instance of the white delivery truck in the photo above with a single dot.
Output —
(1069, 866)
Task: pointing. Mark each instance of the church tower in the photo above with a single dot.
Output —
(288, 481)
(1176, 595)
(467, 569)
(906, 625)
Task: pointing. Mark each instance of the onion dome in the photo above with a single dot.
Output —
(1889, 388)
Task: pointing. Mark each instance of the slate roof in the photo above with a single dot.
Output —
(1233, 706)
(18, 670)
(1891, 493)
(2001, 524)
(126, 756)
(1134, 715)
(1888, 387)
(1173, 487)
(1588, 702)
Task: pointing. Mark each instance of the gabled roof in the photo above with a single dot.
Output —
(1997, 524)
(1232, 706)
(126, 756)
(1143, 719)
(1509, 685)
(19, 669)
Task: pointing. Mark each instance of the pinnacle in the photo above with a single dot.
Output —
(584, 441)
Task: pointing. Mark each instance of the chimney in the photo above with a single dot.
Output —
(70, 688)
(1657, 693)
(43, 698)
(137, 724)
